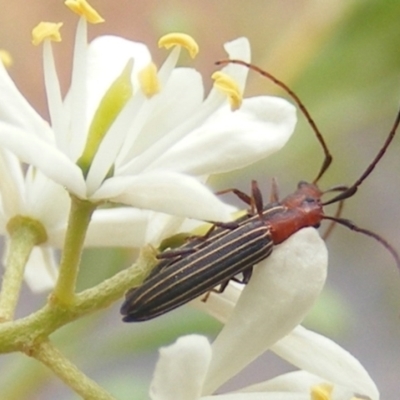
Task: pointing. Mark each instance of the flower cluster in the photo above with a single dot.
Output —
(123, 161)
(152, 151)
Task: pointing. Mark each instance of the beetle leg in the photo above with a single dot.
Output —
(274, 198)
(175, 253)
(257, 204)
(247, 275)
(242, 196)
(218, 289)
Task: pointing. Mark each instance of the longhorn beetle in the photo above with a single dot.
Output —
(227, 250)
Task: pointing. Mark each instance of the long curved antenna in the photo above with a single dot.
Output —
(328, 157)
(339, 210)
(380, 239)
(332, 223)
(353, 188)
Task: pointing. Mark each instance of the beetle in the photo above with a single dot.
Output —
(227, 250)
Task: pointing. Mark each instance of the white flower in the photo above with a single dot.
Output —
(266, 317)
(154, 144)
(155, 154)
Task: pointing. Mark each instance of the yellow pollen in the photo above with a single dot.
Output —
(46, 30)
(5, 58)
(148, 80)
(321, 392)
(84, 10)
(228, 86)
(179, 39)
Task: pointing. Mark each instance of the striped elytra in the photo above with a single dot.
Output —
(199, 272)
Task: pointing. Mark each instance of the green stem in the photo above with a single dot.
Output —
(50, 356)
(24, 235)
(17, 335)
(79, 219)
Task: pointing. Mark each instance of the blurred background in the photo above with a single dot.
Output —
(342, 58)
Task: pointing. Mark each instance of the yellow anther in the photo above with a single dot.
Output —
(85, 10)
(321, 392)
(180, 39)
(5, 58)
(148, 80)
(228, 86)
(46, 30)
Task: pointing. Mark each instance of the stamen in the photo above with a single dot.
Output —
(228, 86)
(46, 30)
(5, 58)
(84, 10)
(321, 392)
(149, 81)
(180, 39)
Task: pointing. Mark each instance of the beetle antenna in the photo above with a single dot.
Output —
(328, 157)
(380, 239)
(353, 189)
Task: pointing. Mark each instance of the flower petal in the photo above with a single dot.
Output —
(174, 105)
(299, 383)
(238, 49)
(162, 226)
(296, 381)
(15, 110)
(220, 305)
(181, 369)
(123, 226)
(166, 192)
(12, 189)
(232, 140)
(41, 271)
(53, 163)
(45, 200)
(107, 57)
(321, 356)
(281, 291)
(259, 396)
(147, 136)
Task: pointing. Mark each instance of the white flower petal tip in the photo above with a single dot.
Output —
(228, 141)
(281, 291)
(181, 369)
(238, 49)
(323, 357)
